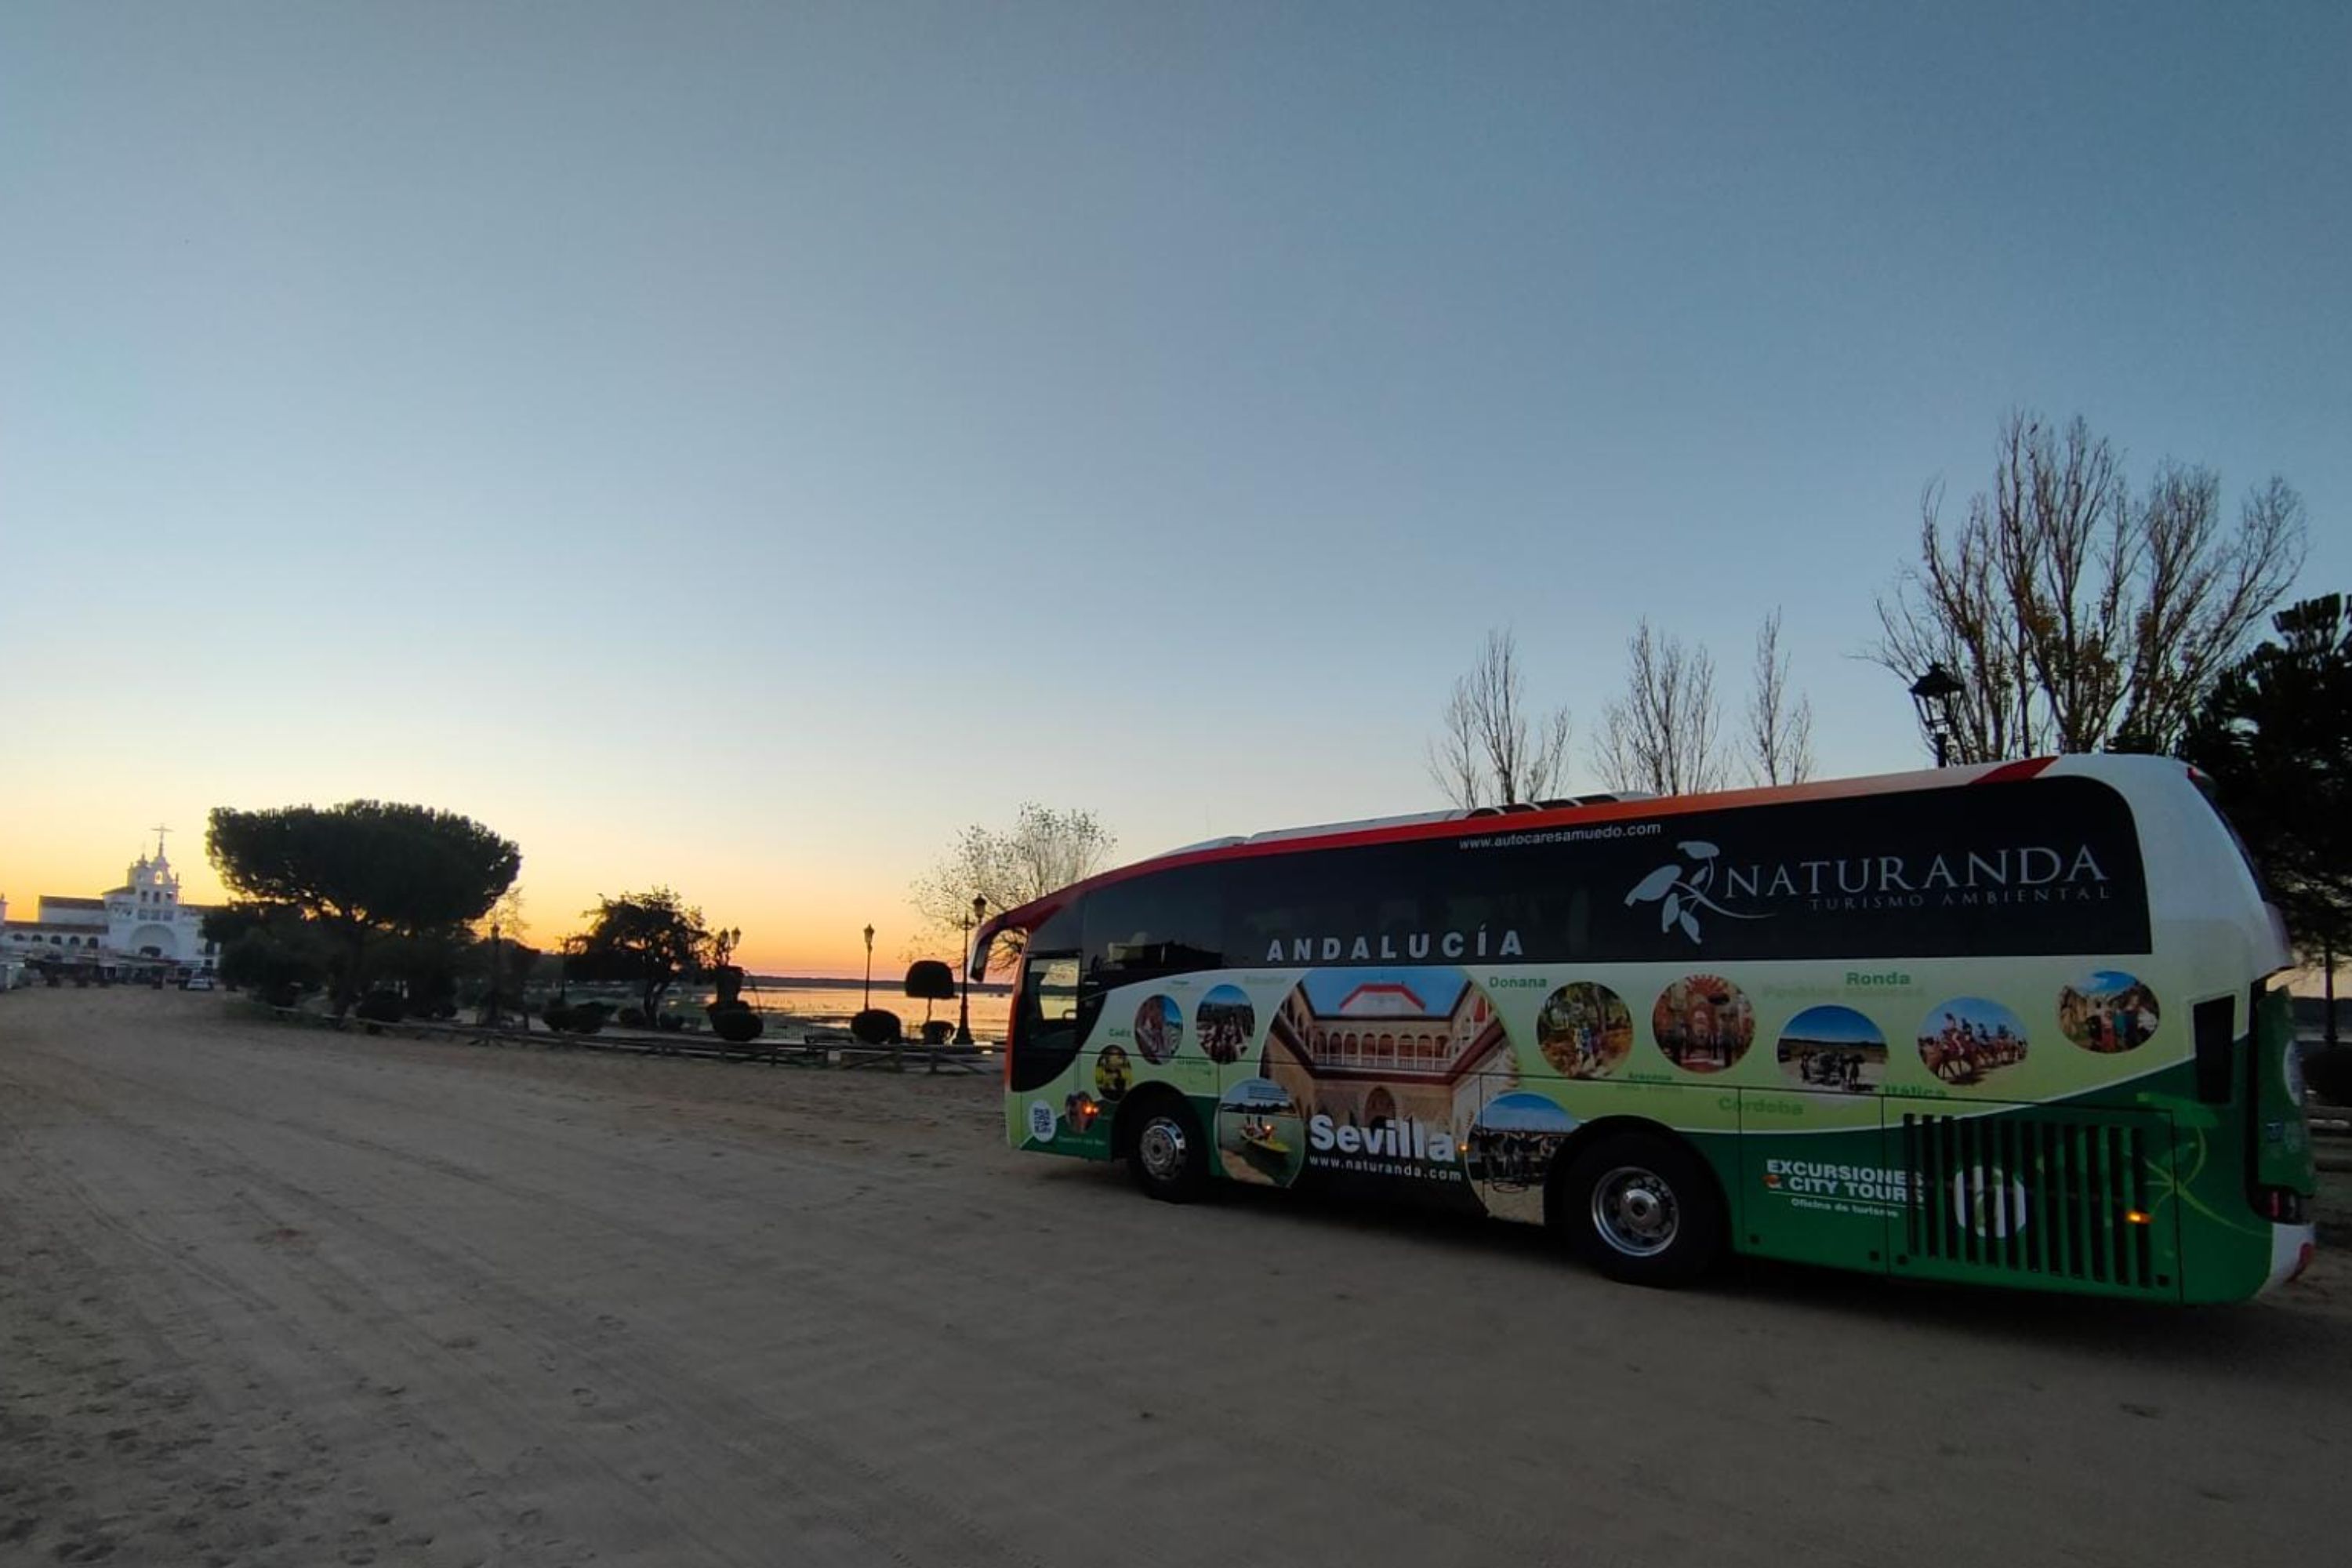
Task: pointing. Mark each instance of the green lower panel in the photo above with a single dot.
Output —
(2057, 1197)
(1825, 1197)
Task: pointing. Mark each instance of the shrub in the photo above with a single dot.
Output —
(2329, 1073)
(631, 1019)
(735, 1023)
(558, 1017)
(877, 1026)
(382, 1007)
(588, 1017)
(673, 1023)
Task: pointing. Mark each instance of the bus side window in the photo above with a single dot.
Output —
(1317, 897)
(1166, 922)
(1046, 1039)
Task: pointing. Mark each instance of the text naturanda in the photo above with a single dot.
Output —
(2027, 872)
(1419, 945)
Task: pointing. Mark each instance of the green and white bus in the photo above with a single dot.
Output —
(2018, 1024)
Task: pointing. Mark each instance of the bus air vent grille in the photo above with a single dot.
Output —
(2063, 1199)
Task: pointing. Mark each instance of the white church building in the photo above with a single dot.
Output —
(142, 919)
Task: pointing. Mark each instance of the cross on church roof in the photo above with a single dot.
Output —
(159, 833)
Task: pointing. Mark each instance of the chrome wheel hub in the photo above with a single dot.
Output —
(1634, 1211)
(1162, 1149)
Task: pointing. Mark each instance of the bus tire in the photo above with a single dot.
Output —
(1166, 1152)
(1642, 1207)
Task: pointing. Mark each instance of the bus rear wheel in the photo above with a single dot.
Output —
(1641, 1207)
(1165, 1152)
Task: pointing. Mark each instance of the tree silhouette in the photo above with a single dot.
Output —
(364, 870)
(649, 940)
(2276, 738)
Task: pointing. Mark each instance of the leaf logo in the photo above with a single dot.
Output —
(1680, 890)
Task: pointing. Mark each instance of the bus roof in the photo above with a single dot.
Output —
(1582, 811)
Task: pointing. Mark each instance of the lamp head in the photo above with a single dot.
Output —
(1937, 685)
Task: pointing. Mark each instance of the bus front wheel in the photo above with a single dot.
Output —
(1166, 1153)
(1641, 1207)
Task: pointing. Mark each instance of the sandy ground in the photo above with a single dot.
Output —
(270, 1294)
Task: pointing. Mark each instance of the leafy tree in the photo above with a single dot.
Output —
(649, 940)
(930, 980)
(2076, 616)
(426, 967)
(1042, 850)
(272, 950)
(2275, 737)
(1491, 749)
(363, 871)
(1664, 737)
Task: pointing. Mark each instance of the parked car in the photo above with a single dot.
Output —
(197, 982)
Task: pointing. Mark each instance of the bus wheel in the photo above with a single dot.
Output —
(1642, 1208)
(1166, 1153)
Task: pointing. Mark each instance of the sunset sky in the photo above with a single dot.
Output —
(735, 446)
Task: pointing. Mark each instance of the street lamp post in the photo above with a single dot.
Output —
(963, 1008)
(492, 1021)
(869, 969)
(1932, 695)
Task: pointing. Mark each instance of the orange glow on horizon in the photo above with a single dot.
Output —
(812, 929)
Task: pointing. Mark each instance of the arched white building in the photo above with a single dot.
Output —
(142, 919)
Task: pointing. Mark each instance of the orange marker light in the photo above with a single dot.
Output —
(2135, 1217)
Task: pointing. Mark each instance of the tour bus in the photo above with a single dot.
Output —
(2018, 1024)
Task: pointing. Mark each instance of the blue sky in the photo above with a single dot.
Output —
(736, 445)
(1835, 1025)
(1437, 988)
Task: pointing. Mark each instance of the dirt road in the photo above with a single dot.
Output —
(275, 1296)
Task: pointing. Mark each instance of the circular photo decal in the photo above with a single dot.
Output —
(1113, 1073)
(1509, 1152)
(1227, 1023)
(1158, 1028)
(1702, 1023)
(1834, 1049)
(2107, 1011)
(1261, 1136)
(1585, 1030)
(1967, 1039)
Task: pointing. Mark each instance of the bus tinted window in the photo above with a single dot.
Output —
(2051, 866)
(1275, 902)
(1045, 1028)
(1166, 923)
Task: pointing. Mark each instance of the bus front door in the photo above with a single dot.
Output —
(1044, 1045)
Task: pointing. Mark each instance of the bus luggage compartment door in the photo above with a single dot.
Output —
(2057, 1196)
(1815, 1181)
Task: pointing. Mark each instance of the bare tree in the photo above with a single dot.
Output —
(1780, 731)
(1663, 737)
(1044, 850)
(1491, 749)
(2074, 616)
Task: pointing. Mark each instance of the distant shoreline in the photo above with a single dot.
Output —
(827, 982)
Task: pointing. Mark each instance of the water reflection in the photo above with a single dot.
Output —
(832, 1005)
